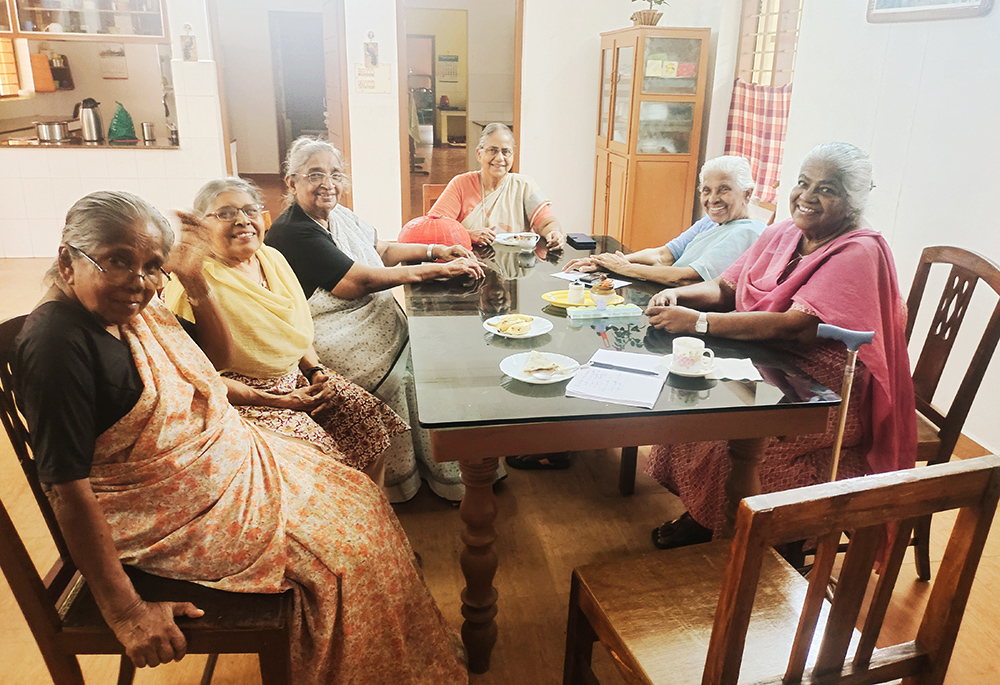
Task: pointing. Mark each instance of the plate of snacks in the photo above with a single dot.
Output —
(539, 368)
(517, 326)
(560, 298)
(525, 241)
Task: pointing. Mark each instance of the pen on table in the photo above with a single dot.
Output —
(641, 372)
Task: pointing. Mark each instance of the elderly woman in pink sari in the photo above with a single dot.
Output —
(495, 199)
(820, 266)
(146, 463)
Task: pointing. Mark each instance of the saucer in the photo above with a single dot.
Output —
(693, 374)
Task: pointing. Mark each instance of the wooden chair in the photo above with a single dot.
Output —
(763, 211)
(432, 191)
(938, 430)
(658, 616)
(61, 611)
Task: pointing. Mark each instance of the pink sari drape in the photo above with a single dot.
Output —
(192, 491)
(849, 282)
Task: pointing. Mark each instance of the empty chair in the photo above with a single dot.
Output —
(664, 619)
(938, 429)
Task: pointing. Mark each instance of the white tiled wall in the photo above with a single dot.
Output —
(37, 186)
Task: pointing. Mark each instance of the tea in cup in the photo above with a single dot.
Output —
(690, 356)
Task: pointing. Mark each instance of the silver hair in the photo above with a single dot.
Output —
(298, 155)
(206, 195)
(852, 168)
(495, 127)
(735, 168)
(106, 218)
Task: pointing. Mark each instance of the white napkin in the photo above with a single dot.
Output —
(730, 369)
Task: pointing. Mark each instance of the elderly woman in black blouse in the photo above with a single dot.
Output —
(346, 272)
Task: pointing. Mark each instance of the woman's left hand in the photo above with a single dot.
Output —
(613, 261)
(673, 319)
(322, 391)
(449, 253)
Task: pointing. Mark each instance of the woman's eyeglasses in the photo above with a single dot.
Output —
(494, 151)
(230, 213)
(317, 177)
(118, 274)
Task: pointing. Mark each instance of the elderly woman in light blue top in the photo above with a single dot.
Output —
(706, 249)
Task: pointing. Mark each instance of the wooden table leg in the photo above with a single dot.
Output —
(479, 562)
(744, 478)
(626, 471)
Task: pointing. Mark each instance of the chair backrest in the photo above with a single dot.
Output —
(432, 191)
(967, 269)
(37, 597)
(863, 507)
(763, 211)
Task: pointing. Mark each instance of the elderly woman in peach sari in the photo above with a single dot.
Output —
(495, 199)
(147, 464)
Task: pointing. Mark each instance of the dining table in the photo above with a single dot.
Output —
(476, 414)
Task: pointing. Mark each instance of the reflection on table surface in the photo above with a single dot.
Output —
(456, 362)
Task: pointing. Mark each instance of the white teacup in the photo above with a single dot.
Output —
(691, 356)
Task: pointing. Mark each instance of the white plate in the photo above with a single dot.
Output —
(513, 366)
(693, 374)
(525, 241)
(539, 326)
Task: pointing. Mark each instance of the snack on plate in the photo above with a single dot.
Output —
(539, 362)
(514, 324)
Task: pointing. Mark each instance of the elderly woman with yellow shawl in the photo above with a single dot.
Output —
(495, 199)
(274, 377)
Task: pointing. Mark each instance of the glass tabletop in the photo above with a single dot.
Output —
(456, 362)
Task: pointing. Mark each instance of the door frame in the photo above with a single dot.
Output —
(404, 108)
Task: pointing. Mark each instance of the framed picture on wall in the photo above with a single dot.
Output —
(926, 10)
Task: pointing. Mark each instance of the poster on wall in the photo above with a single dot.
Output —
(926, 10)
(113, 65)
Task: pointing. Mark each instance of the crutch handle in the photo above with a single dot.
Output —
(853, 339)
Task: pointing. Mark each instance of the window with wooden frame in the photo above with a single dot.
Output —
(9, 84)
(769, 35)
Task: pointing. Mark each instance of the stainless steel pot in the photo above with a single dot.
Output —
(52, 131)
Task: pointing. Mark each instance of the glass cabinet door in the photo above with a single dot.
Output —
(665, 127)
(670, 66)
(623, 95)
(105, 17)
(606, 75)
(4, 18)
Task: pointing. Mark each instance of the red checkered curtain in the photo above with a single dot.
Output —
(758, 117)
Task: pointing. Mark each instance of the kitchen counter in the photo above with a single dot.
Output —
(78, 144)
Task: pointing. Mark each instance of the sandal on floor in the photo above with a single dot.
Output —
(539, 462)
(680, 532)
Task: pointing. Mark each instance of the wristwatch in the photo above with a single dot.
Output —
(701, 326)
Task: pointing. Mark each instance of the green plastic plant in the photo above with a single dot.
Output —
(653, 2)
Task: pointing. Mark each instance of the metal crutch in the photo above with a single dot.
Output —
(854, 340)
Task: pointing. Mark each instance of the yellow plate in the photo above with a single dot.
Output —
(560, 298)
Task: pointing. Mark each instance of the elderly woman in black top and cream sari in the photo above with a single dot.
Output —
(360, 330)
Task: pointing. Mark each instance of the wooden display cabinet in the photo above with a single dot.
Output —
(649, 132)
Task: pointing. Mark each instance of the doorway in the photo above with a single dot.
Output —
(298, 62)
(474, 63)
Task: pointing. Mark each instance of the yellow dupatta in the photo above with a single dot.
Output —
(271, 328)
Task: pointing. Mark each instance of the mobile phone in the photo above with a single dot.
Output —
(581, 241)
(592, 277)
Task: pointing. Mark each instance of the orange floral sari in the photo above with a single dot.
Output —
(192, 491)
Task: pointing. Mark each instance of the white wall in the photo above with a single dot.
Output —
(921, 98)
(37, 186)
(374, 119)
(560, 84)
(245, 37)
